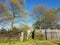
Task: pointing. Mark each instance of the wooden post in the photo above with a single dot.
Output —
(46, 34)
(22, 36)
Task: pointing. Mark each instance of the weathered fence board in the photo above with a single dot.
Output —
(51, 34)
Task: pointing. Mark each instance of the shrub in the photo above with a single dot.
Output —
(3, 31)
(39, 36)
(9, 34)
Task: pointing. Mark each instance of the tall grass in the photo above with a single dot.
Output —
(29, 42)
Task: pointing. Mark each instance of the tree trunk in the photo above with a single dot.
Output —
(33, 33)
(45, 34)
(12, 24)
(13, 16)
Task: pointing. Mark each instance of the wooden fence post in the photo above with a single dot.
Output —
(22, 36)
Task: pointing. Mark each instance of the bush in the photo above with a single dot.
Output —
(3, 31)
(9, 34)
(39, 36)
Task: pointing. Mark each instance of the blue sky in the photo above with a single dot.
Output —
(49, 3)
(31, 3)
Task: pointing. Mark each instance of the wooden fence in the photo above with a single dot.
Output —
(51, 34)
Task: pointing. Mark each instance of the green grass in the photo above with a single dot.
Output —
(29, 42)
